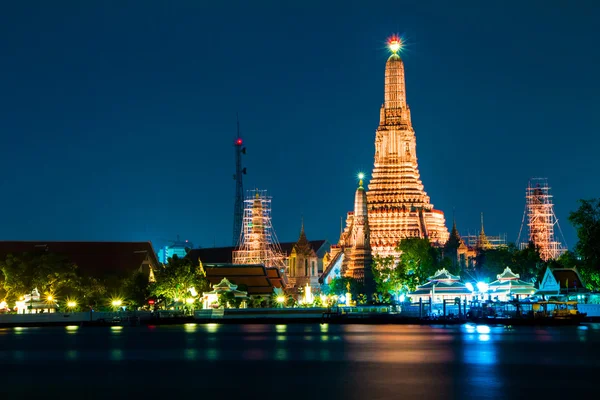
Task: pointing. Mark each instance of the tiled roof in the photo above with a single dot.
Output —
(507, 274)
(256, 278)
(92, 258)
(442, 288)
(570, 277)
(443, 274)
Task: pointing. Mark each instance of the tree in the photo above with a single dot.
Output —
(586, 220)
(527, 263)
(339, 286)
(174, 279)
(386, 276)
(418, 261)
(136, 289)
(48, 272)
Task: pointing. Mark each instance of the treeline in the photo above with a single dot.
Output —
(56, 275)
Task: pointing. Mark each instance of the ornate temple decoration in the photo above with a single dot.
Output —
(398, 206)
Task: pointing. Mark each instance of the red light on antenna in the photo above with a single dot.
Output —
(238, 142)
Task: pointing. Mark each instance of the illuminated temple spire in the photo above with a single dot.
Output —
(359, 265)
(398, 206)
(482, 240)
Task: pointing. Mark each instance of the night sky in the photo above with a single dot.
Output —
(117, 118)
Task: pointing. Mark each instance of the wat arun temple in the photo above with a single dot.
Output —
(395, 206)
(398, 205)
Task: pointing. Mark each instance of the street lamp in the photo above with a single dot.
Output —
(280, 299)
(116, 303)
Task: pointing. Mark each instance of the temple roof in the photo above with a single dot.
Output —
(515, 286)
(225, 284)
(443, 275)
(442, 287)
(482, 240)
(507, 274)
(303, 246)
(257, 279)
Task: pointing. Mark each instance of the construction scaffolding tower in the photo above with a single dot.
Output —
(539, 211)
(258, 243)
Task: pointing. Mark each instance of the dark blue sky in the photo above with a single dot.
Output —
(117, 118)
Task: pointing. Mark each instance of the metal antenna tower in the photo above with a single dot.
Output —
(541, 220)
(238, 207)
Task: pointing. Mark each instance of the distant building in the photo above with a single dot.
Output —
(303, 263)
(96, 259)
(464, 250)
(178, 248)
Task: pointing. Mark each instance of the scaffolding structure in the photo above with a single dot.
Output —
(539, 211)
(494, 241)
(258, 243)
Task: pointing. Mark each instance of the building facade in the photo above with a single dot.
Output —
(303, 263)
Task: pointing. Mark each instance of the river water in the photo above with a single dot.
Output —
(299, 361)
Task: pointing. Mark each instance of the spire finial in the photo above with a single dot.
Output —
(361, 176)
(482, 222)
(301, 224)
(453, 218)
(394, 43)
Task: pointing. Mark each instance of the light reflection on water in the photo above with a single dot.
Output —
(116, 355)
(374, 361)
(281, 354)
(212, 354)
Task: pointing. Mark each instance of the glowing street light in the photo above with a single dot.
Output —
(117, 303)
(71, 304)
(280, 299)
(189, 300)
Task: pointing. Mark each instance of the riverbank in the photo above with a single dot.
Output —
(263, 316)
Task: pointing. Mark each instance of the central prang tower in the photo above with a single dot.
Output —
(398, 206)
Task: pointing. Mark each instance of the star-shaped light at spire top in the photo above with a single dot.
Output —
(394, 43)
